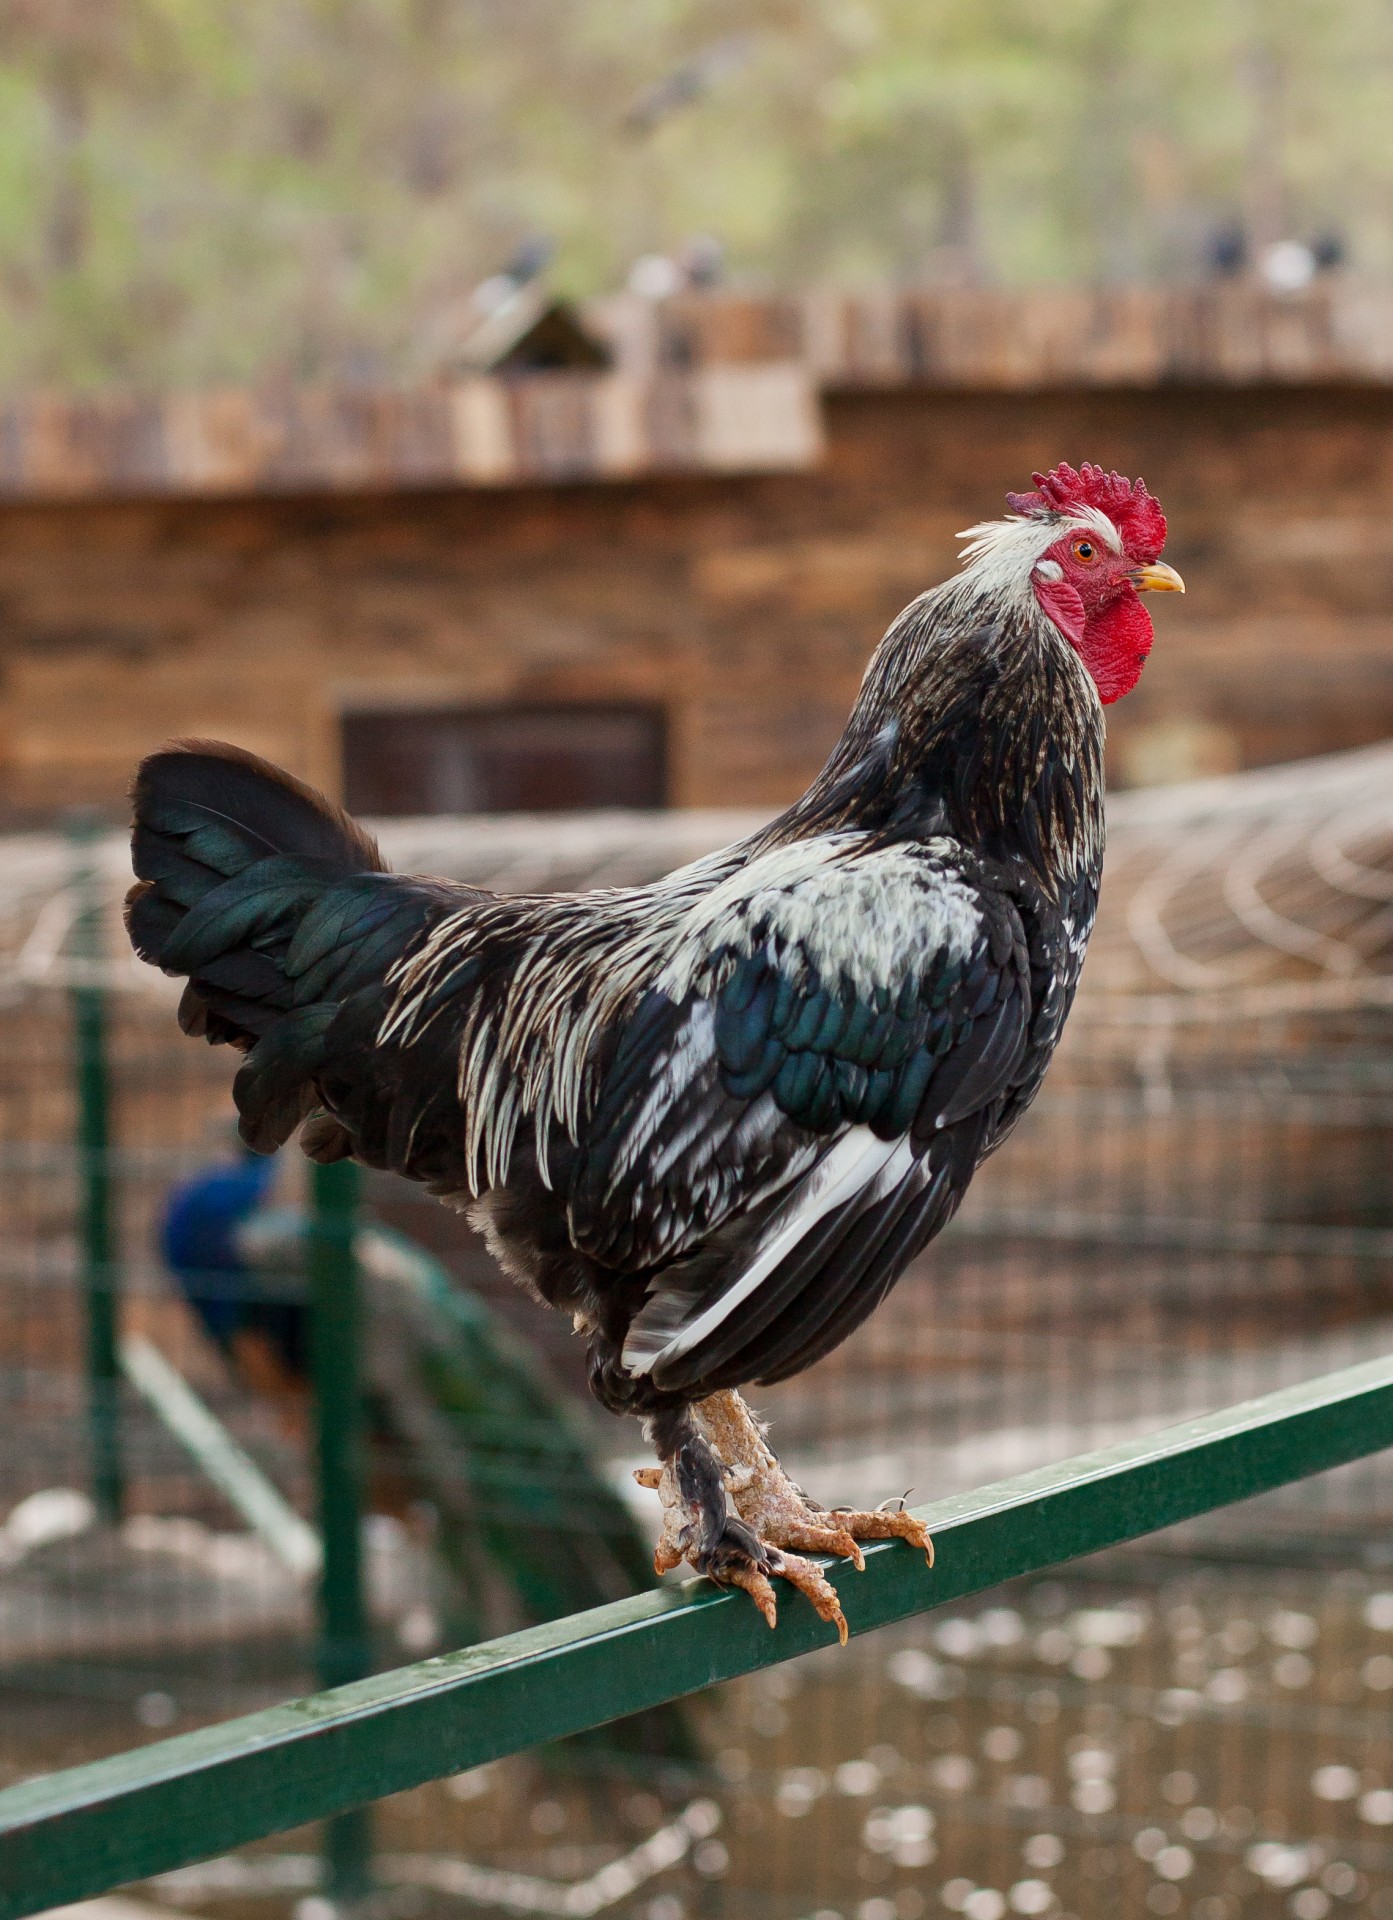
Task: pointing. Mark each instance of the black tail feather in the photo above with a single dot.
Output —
(209, 789)
(234, 858)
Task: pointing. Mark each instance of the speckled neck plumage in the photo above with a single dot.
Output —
(976, 720)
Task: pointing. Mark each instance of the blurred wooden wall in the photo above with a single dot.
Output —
(736, 577)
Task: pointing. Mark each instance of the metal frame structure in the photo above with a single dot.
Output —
(345, 1648)
(71, 1835)
(92, 1080)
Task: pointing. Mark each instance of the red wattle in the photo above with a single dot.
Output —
(1114, 645)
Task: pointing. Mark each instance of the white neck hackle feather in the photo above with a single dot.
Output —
(1001, 556)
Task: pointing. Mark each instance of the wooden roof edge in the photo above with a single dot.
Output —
(1224, 332)
(478, 430)
(719, 382)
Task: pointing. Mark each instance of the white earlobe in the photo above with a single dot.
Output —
(1049, 570)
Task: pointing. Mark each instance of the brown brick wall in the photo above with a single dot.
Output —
(747, 606)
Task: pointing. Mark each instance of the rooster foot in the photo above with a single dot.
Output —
(739, 1558)
(726, 1550)
(778, 1510)
(773, 1524)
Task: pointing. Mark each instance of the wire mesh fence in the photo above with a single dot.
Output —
(1198, 1209)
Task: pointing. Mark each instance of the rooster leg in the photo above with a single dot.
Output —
(699, 1527)
(774, 1507)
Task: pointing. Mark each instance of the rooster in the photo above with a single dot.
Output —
(713, 1118)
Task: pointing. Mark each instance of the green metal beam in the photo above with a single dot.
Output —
(75, 1834)
(92, 1080)
(345, 1650)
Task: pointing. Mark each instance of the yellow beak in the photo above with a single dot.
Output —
(1157, 578)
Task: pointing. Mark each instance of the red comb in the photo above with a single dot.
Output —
(1137, 517)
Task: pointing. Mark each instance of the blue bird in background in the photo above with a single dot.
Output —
(243, 1284)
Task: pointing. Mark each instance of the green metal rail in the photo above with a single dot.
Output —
(71, 1835)
(92, 1081)
(345, 1645)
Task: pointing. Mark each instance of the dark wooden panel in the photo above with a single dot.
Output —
(515, 759)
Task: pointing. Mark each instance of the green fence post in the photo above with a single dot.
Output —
(344, 1648)
(93, 1089)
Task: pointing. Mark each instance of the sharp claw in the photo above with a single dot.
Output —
(889, 1525)
(917, 1534)
(811, 1583)
(753, 1582)
(848, 1549)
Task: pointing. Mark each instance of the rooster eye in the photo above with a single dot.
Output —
(1084, 550)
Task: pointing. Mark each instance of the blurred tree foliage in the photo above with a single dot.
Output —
(194, 190)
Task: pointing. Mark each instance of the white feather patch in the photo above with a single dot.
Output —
(873, 915)
(1001, 555)
(859, 1162)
